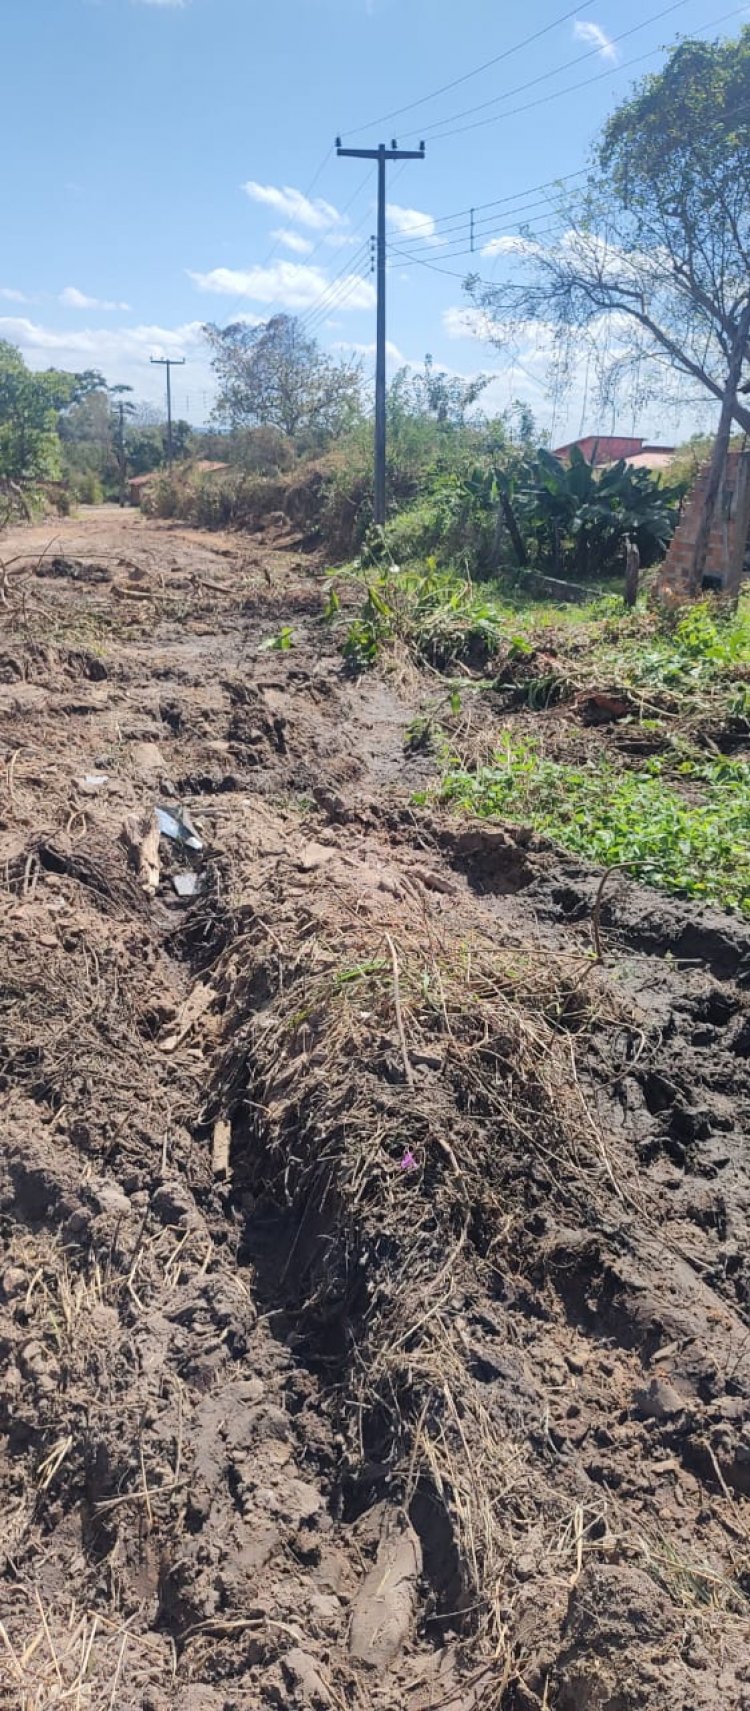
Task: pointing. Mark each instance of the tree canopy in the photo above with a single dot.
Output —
(652, 265)
(430, 391)
(275, 375)
(30, 407)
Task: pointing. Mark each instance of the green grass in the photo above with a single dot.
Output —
(690, 669)
(691, 837)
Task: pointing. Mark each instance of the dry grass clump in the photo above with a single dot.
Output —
(75, 1007)
(409, 1095)
(73, 1657)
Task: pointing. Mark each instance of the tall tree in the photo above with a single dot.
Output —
(430, 391)
(652, 266)
(31, 404)
(277, 376)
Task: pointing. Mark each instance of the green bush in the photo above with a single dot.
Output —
(87, 488)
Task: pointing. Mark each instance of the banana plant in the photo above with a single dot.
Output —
(579, 517)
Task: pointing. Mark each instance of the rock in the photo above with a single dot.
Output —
(147, 759)
(303, 1676)
(14, 1282)
(174, 1204)
(621, 1646)
(658, 1401)
(315, 855)
(384, 1607)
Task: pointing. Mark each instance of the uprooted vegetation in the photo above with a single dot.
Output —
(660, 784)
(374, 1292)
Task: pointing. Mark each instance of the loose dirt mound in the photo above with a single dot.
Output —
(374, 1294)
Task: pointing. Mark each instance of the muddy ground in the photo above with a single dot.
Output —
(375, 1277)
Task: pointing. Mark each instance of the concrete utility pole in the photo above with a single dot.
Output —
(381, 155)
(169, 362)
(122, 458)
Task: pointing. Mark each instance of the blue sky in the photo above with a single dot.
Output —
(172, 164)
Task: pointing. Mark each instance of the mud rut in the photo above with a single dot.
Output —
(374, 1291)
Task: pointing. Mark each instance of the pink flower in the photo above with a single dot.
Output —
(408, 1161)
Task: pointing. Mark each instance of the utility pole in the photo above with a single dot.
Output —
(122, 460)
(116, 395)
(381, 155)
(169, 362)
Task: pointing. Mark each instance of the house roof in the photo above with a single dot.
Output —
(609, 448)
(652, 457)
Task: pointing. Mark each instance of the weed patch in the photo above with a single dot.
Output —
(688, 835)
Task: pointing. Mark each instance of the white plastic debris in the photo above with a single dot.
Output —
(187, 884)
(179, 830)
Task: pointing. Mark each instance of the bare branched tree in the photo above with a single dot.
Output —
(651, 268)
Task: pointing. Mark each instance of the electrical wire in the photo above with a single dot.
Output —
(544, 76)
(481, 231)
(345, 269)
(275, 246)
(584, 83)
(534, 232)
(341, 286)
(332, 303)
(440, 223)
(348, 288)
(396, 112)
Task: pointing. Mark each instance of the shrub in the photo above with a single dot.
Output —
(86, 488)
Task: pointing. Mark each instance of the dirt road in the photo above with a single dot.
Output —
(374, 1297)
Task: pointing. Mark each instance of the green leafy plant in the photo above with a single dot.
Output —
(691, 840)
(280, 643)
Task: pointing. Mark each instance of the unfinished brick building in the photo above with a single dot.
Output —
(727, 541)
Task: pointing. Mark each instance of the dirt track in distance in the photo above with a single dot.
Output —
(375, 1280)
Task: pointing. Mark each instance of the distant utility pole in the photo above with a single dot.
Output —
(381, 155)
(123, 408)
(169, 362)
(122, 457)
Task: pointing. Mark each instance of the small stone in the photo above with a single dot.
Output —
(303, 1675)
(658, 1401)
(14, 1281)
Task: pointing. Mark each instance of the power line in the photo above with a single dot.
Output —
(335, 295)
(275, 246)
(535, 231)
(507, 53)
(464, 239)
(584, 83)
(459, 215)
(344, 275)
(347, 289)
(544, 76)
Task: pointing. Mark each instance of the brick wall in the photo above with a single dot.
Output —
(727, 541)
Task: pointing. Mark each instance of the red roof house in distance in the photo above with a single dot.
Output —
(601, 449)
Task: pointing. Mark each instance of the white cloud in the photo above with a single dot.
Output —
(317, 215)
(10, 296)
(293, 241)
(466, 323)
(596, 38)
(392, 351)
(511, 243)
(122, 353)
(72, 298)
(151, 340)
(288, 283)
(411, 223)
